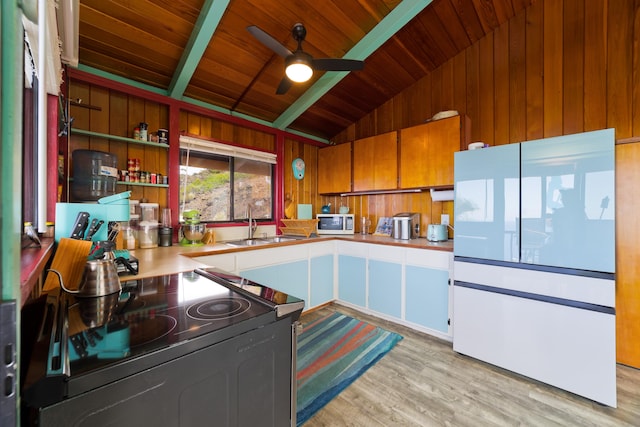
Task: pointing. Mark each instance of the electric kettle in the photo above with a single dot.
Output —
(437, 233)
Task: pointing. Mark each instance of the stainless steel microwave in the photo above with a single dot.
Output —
(335, 223)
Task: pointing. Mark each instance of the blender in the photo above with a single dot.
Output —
(192, 230)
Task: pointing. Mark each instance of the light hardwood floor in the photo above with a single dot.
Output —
(423, 382)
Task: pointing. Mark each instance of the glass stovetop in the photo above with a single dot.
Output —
(150, 314)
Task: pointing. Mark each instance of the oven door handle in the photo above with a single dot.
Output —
(58, 358)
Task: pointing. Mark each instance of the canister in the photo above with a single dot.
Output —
(163, 136)
(165, 236)
(149, 212)
(148, 234)
(143, 131)
(95, 174)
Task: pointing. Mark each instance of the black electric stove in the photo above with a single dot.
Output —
(85, 344)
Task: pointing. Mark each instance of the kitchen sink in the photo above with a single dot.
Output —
(262, 241)
(247, 242)
(280, 239)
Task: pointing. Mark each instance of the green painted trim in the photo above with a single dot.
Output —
(390, 24)
(306, 135)
(11, 106)
(123, 80)
(210, 16)
(216, 108)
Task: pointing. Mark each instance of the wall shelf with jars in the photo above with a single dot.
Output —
(118, 138)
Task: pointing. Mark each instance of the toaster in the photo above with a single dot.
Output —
(406, 225)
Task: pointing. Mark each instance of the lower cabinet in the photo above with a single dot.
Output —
(409, 285)
(304, 271)
(385, 288)
(352, 280)
(321, 280)
(427, 297)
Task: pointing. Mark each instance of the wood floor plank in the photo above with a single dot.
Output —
(423, 382)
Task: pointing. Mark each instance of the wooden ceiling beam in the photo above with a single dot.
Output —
(208, 20)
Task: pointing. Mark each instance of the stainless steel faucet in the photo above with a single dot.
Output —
(253, 224)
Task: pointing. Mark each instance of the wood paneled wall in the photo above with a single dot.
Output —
(558, 67)
(116, 113)
(200, 125)
(301, 190)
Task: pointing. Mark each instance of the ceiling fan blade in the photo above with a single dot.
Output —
(284, 86)
(269, 41)
(337, 64)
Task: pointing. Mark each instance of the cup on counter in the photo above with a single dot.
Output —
(365, 224)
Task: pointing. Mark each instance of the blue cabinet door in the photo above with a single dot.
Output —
(321, 280)
(352, 280)
(487, 203)
(385, 287)
(427, 297)
(290, 278)
(568, 201)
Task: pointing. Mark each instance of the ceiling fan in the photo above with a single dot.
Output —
(299, 65)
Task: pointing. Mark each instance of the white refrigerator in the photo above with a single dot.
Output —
(534, 260)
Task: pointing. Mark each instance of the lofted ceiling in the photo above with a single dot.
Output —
(200, 51)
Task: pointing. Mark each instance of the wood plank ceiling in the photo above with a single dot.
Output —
(200, 51)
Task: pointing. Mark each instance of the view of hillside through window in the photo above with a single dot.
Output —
(210, 183)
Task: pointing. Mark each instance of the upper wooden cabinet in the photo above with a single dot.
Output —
(334, 169)
(426, 152)
(375, 162)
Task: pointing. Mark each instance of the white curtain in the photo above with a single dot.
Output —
(211, 147)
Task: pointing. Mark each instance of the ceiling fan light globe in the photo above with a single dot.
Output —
(299, 72)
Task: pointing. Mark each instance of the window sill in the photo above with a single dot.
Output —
(32, 264)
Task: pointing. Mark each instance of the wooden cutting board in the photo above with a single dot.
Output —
(289, 208)
(69, 259)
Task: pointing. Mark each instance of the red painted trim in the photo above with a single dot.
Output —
(279, 182)
(174, 163)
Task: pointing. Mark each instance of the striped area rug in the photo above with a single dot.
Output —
(332, 352)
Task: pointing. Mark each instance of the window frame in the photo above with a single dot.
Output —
(216, 150)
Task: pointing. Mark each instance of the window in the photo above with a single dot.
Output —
(223, 182)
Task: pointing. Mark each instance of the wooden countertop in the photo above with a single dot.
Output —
(175, 259)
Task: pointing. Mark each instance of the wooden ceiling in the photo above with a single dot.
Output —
(200, 51)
